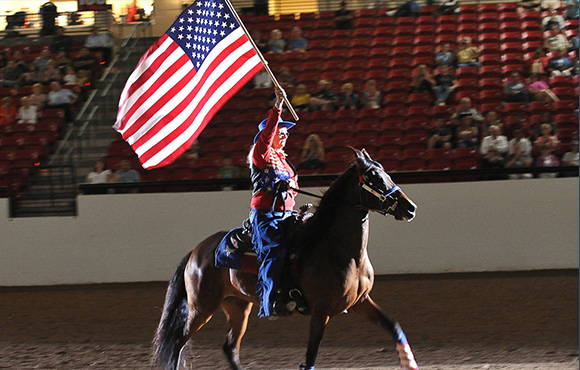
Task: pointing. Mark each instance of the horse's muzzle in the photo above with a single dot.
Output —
(405, 210)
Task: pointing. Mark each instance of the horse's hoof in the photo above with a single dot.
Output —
(406, 356)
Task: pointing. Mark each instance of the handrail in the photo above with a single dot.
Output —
(325, 180)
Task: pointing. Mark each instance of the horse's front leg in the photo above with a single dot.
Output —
(318, 323)
(368, 309)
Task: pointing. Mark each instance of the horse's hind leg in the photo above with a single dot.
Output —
(369, 310)
(237, 312)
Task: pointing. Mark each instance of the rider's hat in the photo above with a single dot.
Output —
(281, 123)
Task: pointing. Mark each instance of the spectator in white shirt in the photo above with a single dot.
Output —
(102, 42)
(27, 112)
(496, 139)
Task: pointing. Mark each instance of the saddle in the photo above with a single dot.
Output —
(236, 251)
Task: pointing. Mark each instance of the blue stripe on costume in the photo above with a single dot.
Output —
(270, 246)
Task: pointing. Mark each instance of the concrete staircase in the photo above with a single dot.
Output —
(53, 189)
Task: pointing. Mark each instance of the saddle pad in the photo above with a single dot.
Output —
(229, 255)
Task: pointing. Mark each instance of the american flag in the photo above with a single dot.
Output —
(183, 80)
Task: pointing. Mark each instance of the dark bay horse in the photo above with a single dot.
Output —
(334, 272)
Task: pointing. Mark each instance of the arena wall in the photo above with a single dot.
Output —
(460, 227)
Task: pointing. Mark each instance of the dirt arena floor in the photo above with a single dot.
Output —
(503, 321)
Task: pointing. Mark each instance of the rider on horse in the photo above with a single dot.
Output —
(273, 180)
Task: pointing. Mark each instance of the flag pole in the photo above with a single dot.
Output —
(262, 59)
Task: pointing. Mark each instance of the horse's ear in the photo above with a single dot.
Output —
(366, 154)
(358, 155)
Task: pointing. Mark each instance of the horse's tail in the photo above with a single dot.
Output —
(171, 332)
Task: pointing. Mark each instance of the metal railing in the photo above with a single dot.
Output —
(402, 177)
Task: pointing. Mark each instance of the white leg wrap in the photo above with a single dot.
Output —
(406, 356)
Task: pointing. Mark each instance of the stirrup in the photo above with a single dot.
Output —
(300, 304)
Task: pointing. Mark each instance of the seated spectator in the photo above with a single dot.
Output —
(312, 156)
(228, 170)
(445, 83)
(547, 159)
(31, 77)
(100, 174)
(467, 54)
(27, 112)
(467, 133)
(539, 62)
(466, 108)
(343, 18)
(62, 60)
(70, 78)
(347, 98)
(371, 96)
(555, 39)
(560, 64)
(529, 6)
(571, 158)
(21, 64)
(301, 99)
(410, 8)
(7, 111)
(11, 75)
(60, 41)
(540, 90)
(61, 98)
(126, 173)
(445, 56)
(262, 80)
(194, 151)
(493, 159)
(440, 135)
(553, 17)
(52, 73)
(494, 139)
(491, 119)
(324, 98)
(519, 154)
(296, 41)
(547, 138)
(572, 9)
(545, 117)
(261, 43)
(41, 62)
(84, 61)
(423, 82)
(285, 78)
(276, 44)
(83, 78)
(101, 42)
(37, 98)
(515, 89)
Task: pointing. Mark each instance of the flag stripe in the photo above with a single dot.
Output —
(209, 107)
(199, 87)
(183, 80)
(196, 86)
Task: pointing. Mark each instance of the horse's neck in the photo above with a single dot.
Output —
(338, 219)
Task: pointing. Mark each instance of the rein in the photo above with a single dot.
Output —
(368, 188)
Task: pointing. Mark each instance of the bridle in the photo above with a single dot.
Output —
(365, 185)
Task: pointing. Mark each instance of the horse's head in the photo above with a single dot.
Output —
(378, 192)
